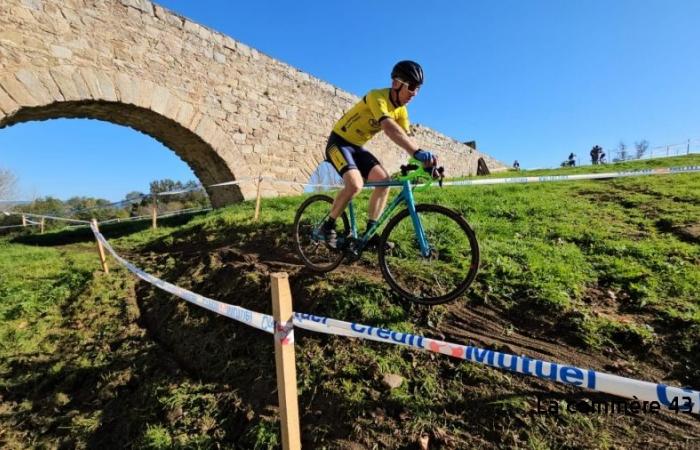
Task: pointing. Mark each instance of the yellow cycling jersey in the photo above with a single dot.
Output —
(362, 121)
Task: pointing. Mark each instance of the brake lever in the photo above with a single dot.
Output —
(438, 173)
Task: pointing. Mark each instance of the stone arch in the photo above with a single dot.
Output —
(227, 109)
(72, 92)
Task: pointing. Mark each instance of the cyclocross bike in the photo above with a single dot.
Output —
(427, 253)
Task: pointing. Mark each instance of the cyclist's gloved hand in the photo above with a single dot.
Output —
(423, 155)
(426, 157)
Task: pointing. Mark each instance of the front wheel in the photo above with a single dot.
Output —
(449, 268)
(309, 240)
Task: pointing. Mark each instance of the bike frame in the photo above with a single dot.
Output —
(405, 196)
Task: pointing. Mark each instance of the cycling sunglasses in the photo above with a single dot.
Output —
(412, 87)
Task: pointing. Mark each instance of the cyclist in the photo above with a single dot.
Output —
(379, 110)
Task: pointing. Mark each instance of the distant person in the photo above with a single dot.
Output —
(516, 165)
(572, 160)
(601, 158)
(596, 151)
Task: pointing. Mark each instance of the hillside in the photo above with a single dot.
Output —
(599, 274)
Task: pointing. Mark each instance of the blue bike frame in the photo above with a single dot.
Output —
(406, 195)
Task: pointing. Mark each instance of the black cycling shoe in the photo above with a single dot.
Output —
(330, 237)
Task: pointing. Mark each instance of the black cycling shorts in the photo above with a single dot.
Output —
(344, 156)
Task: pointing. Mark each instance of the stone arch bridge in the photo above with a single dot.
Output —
(224, 108)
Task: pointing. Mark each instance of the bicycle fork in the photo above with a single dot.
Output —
(417, 226)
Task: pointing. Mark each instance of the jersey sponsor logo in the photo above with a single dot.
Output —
(373, 123)
(337, 158)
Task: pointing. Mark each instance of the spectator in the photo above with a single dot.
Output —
(601, 158)
(516, 165)
(572, 159)
(596, 152)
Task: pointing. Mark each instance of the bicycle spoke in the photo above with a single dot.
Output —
(448, 269)
(309, 240)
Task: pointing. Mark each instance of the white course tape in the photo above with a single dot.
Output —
(587, 176)
(52, 217)
(231, 183)
(682, 399)
(642, 391)
(254, 319)
(182, 191)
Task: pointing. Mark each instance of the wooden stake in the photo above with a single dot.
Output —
(41, 225)
(154, 212)
(100, 249)
(24, 220)
(257, 200)
(285, 362)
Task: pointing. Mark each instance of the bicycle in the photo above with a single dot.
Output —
(435, 254)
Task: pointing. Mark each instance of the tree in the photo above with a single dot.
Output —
(642, 147)
(8, 181)
(622, 151)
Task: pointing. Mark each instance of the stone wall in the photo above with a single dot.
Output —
(226, 109)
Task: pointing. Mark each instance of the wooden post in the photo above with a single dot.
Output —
(257, 200)
(285, 362)
(100, 249)
(154, 212)
(24, 220)
(41, 225)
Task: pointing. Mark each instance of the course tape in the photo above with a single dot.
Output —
(254, 319)
(683, 399)
(50, 217)
(642, 391)
(587, 176)
(509, 180)
(231, 183)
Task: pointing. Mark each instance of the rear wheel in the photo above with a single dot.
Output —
(446, 272)
(310, 243)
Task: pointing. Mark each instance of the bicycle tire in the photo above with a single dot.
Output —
(315, 254)
(454, 250)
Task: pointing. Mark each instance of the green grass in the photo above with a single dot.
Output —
(594, 264)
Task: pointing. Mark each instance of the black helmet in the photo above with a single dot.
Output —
(408, 71)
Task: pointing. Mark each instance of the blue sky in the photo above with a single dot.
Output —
(528, 80)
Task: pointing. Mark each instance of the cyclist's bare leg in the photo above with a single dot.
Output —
(353, 185)
(380, 195)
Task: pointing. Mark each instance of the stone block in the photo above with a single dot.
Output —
(106, 86)
(7, 105)
(169, 17)
(81, 85)
(47, 80)
(34, 86)
(91, 81)
(145, 93)
(61, 52)
(62, 76)
(32, 4)
(126, 88)
(142, 5)
(17, 91)
(185, 114)
(159, 103)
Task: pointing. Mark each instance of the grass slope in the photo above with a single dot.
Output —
(601, 274)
